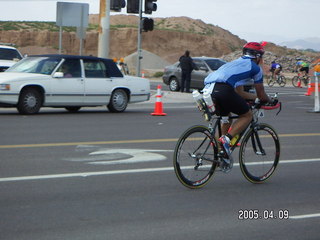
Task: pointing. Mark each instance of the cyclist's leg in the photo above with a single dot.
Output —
(307, 78)
(272, 74)
(225, 127)
(276, 72)
(241, 123)
(239, 106)
(229, 101)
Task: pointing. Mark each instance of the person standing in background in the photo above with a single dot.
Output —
(186, 65)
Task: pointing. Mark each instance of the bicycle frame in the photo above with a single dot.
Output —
(216, 122)
(198, 153)
(304, 78)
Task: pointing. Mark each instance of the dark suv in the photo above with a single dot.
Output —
(204, 66)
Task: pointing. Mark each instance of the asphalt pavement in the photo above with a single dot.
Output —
(101, 175)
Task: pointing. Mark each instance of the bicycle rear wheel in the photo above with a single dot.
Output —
(282, 81)
(295, 81)
(259, 153)
(195, 157)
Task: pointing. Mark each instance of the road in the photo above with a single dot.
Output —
(99, 175)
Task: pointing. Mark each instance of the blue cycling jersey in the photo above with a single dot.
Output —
(239, 72)
(275, 65)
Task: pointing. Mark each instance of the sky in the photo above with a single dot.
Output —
(252, 20)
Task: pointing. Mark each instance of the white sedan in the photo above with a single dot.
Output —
(69, 82)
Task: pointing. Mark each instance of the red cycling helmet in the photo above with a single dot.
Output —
(253, 49)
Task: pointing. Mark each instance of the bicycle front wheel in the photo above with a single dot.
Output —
(259, 153)
(295, 81)
(270, 81)
(195, 157)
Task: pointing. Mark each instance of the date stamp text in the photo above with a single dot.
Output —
(255, 214)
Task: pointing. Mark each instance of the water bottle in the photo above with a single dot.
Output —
(201, 104)
(234, 139)
(196, 96)
(207, 98)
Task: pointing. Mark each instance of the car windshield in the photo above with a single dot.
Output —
(9, 54)
(214, 64)
(41, 65)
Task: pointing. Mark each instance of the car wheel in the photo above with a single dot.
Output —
(30, 101)
(118, 101)
(73, 109)
(174, 84)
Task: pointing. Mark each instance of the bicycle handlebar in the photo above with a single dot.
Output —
(267, 106)
(278, 105)
(271, 107)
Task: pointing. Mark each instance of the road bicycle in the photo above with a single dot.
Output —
(198, 154)
(298, 79)
(280, 79)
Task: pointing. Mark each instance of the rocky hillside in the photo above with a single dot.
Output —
(170, 38)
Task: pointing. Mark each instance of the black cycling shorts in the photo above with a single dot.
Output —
(227, 100)
(306, 69)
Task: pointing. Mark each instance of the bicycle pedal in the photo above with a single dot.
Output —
(225, 165)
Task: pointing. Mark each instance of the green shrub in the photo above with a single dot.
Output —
(158, 74)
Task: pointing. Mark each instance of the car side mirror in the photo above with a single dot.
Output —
(58, 75)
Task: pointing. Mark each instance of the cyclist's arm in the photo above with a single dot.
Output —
(246, 95)
(261, 93)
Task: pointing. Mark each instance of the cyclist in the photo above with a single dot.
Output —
(303, 67)
(227, 88)
(276, 68)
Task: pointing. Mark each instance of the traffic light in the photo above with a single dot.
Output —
(132, 6)
(147, 24)
(150, 6)
(116, 5)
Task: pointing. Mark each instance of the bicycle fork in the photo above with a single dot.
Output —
(256, 144)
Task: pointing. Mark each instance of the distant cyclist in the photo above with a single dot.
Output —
(227, 88)
(302, 67)
(276, 68)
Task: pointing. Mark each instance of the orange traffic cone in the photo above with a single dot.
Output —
(309, 91)
(158, 111)
(142, 74)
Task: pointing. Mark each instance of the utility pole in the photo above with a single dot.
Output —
(139, 51)
(104, 29)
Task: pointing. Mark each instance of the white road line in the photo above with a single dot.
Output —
(114, 172)
(305, 216)
(84, 174)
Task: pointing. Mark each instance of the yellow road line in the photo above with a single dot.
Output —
(126, 141)
(87, 143)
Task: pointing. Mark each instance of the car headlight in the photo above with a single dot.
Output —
(4, 86)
